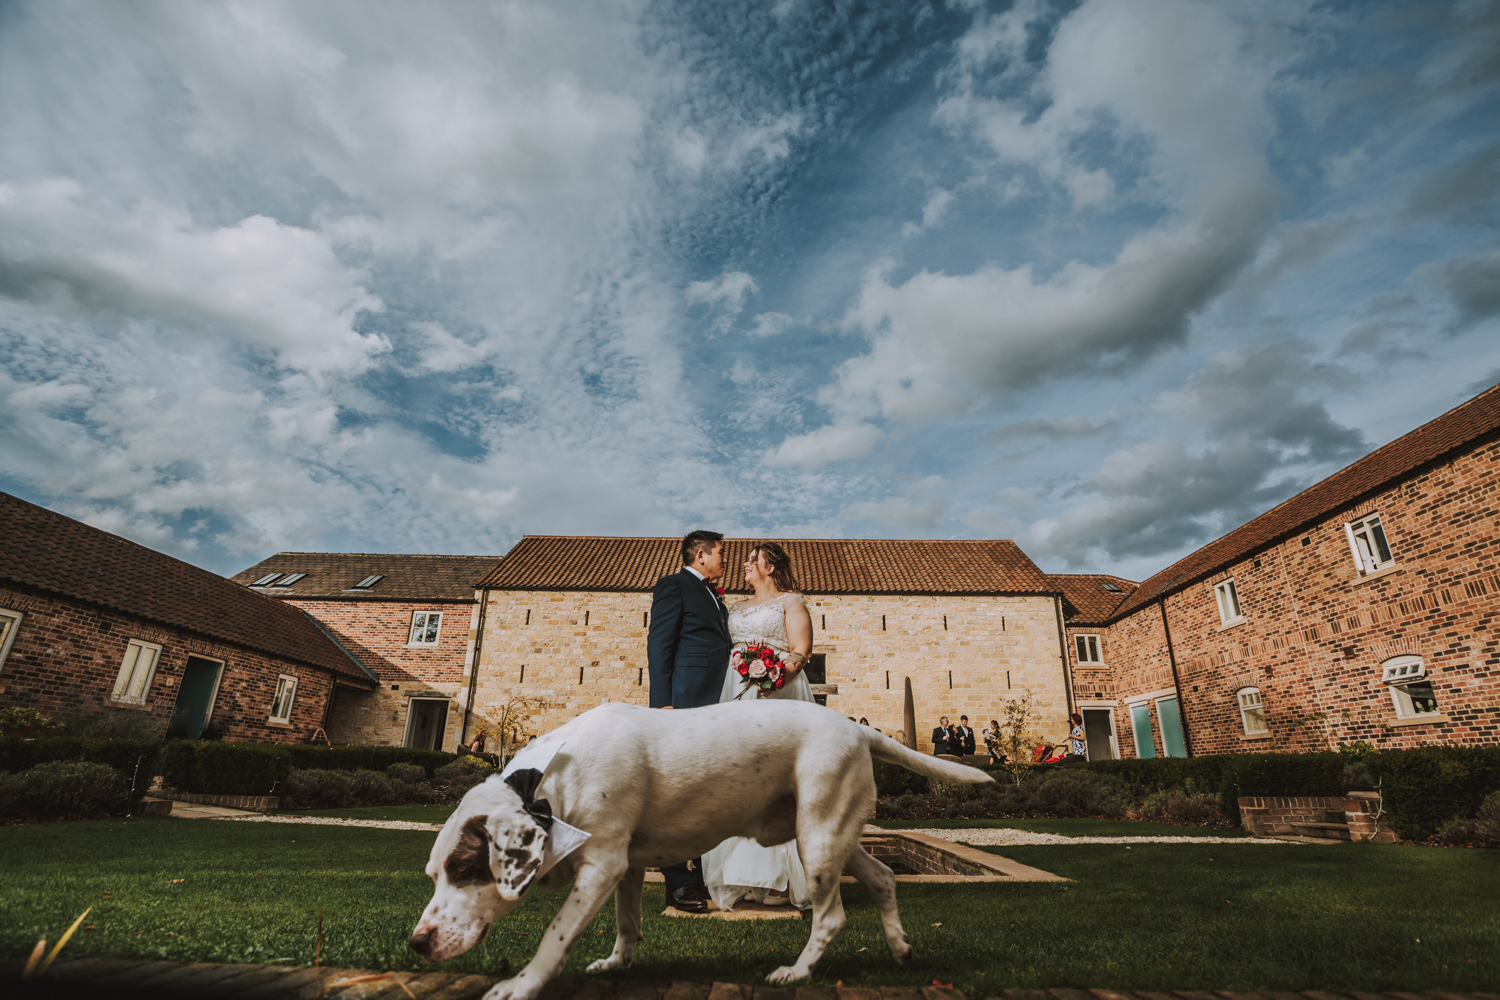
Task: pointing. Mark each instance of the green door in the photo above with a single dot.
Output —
(1171, 727)
(1140, 722)
(200, 682)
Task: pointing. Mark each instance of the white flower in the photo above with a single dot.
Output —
(758, 669)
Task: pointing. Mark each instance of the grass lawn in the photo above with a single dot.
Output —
(1065, 827)
(1155, 916)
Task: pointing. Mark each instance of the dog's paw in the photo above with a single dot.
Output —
(902, 952)
(786, 974)
(610, 964)
(511, 989)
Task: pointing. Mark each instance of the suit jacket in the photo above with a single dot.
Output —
(967, 738)
(942, 739)
(687, 648)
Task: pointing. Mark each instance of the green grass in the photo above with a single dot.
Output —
(408, 814)
(1156, 916)
(1065, 827)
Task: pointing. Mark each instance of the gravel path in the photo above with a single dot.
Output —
(995, 837)
(379, 824)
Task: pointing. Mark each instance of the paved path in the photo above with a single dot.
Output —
(279, 982)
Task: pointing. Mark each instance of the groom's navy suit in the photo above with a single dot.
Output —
(687, 653)
(687, 649)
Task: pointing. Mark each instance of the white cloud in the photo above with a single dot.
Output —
(917, 510)
(769, 324)
(831, 443)
(727, 292)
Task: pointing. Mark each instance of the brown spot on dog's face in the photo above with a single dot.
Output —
(528, 836)
(469, 864)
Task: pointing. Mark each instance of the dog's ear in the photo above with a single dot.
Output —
(469, 861)
(518, 855)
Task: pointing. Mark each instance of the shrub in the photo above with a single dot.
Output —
(72, 788)
(17, 721)
(342, 758)
(211, 767)
(10, 791)
(406, 772)
(463, 774)
(1481, 831)
(1183, 809)
(372, 788)
(316, 788)
(420, 792)
(1424, 787)
(1075, 792)
(134, 760)
(893, 779)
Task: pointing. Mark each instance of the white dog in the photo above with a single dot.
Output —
(651, 789)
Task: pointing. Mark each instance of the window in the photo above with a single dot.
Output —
(1229, 602)
(368, 582)
(265, 579)
(136, 672)
(1169, 716)
(289, 579)
(1367, 542)
(424, 628)
(1252, 712)
(286, 693)
(1088, 648)
(10, 624)
(1111, 586)
(1411, 691)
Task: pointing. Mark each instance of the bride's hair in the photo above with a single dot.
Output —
(781, 566)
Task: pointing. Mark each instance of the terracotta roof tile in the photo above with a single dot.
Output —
(824, 565)
(402, 577)
(57, 554)
(1091, 602)
(1461, 427)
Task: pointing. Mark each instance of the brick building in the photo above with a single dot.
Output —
(1363, 608)
(408, 618)
(92, 625)
(1089, 601)
(971, 622)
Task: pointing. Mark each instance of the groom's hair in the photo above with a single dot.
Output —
(698, 541)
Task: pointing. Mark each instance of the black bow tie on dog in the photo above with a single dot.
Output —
(525, 781)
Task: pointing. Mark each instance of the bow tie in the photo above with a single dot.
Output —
(525, 781)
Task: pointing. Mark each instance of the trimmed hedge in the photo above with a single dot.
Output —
(133, 760)
(212, 767)
(1425, 787)
(308, 757)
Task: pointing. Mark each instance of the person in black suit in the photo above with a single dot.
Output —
(965, 735)
(942, 737)
(687, 652)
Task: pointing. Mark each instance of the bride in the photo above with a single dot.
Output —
(775, 616)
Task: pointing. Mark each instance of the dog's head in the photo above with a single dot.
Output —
(485, 859)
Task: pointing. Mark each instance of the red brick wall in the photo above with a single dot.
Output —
(67, 655)
(1314, 632)
(377, 632)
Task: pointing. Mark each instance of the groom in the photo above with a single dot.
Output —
(687, 652)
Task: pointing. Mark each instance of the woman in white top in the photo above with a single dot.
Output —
(774, 616)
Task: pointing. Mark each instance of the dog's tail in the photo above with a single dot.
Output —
(885, 748)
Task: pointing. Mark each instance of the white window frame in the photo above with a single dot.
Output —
(1227, 596)
(1367, 538)
(1252, 701)
(289, 579)
(11, 622)
(1088, 642)
(266, 580)
(427, 618)
(1397, 673)
(288, 684)
(131, 663)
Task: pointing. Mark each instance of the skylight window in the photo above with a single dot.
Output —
(368, 582)
(289, 579)
(1111, 586)
(265, 579)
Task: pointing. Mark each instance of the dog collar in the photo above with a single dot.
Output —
(524, 775)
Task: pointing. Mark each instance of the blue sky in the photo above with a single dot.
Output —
(1108, 278)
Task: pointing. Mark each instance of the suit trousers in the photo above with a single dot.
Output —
(678, 876)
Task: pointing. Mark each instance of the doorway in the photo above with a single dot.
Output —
(1099, 733)
(426, 722)
(1169, 713)
(195, 698)
(817, 673)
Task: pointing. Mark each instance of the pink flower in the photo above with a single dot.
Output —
(758, 669)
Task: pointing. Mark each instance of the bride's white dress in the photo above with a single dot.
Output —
(739, 868)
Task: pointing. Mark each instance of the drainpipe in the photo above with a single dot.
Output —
(1187, 740)
(1062, 649)
(484, 600)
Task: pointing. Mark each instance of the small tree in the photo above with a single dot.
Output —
(510, 728)
(1015, 739)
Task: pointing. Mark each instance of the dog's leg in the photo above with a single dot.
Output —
(824, 865)
(627, 922)
(591, 887)
(881, 882)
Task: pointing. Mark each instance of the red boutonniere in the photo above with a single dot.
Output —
(719, 593)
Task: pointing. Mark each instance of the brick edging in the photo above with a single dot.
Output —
(250, 803)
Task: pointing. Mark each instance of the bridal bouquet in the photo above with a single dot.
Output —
(760, 666)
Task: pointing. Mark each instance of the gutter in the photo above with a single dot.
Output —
(1062, 649)
(484, 601)
(1187, 739)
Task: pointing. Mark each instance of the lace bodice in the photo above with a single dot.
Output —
(761, 623)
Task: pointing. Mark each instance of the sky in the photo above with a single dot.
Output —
(1106, 278)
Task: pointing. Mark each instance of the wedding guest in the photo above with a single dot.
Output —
(942, 738)
(1077, 742)
(965, 735)
(992, 742)
(863, 721)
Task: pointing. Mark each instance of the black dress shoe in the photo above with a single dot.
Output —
(686, 899)
(702, 891)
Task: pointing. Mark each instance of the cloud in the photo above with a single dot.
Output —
(1052, 429)
(1264, 429)
(727, 292)
(769, 324)
(1472, 282)
(932, 212)
(831, 443)
(917, 510)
